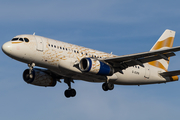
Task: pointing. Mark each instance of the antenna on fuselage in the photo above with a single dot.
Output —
(34, 33)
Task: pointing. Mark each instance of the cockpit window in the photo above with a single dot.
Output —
(21, 39)
(26, 40)
(14, 39)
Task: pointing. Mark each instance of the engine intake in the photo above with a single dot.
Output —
(39, 78)
(95, 66)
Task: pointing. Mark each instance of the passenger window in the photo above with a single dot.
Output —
(54, 46)
(48, 44)
(14, 39)
(51, 45)
(27, 40)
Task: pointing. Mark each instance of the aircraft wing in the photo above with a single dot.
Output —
(140, 58)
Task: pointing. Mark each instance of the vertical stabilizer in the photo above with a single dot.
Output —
(165, 41)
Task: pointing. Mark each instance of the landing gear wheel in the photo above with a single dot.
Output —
(107, 86)
(110, 86)
(73, 92)
(28, 77)
(70, 93)
(67, 93)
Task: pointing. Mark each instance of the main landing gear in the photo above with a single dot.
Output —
(107, 86)
(69, 92)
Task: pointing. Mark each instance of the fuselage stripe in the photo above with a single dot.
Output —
(157, 64)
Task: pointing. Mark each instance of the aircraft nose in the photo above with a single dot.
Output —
(7, 48)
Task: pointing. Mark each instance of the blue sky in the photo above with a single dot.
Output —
(122, 27)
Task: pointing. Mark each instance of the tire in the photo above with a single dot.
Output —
(67, 93)
(73, 92)
(110, 86)
(105, 86)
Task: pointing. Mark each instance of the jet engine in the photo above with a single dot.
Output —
(39, 78)
(95, 66)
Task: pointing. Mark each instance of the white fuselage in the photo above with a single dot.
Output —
(63, 58)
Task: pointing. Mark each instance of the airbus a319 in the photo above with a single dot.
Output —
(60, 60)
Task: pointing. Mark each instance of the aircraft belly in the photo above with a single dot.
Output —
(130, 76)
(133, 76)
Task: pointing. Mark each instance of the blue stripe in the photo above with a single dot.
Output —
(90, 64)
(104, 69)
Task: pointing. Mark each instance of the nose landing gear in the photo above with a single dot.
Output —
(31, 66)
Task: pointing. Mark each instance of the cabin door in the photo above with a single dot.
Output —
(39, 44)
(147, 71)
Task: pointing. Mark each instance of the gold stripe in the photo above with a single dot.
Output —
(157, 64)
(15, 42)
(165, 43)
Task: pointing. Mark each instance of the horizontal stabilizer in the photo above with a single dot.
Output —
(170, 73)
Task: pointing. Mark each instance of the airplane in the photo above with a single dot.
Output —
(60, 60)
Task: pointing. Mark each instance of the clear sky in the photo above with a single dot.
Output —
(118, 26)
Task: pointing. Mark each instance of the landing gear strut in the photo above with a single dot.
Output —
(30, 70)
(107, 86)
(69, 92)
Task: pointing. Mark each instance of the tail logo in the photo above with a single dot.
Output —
(165, 41)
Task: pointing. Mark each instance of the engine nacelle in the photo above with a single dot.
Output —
(95, 66)
(39, 78)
